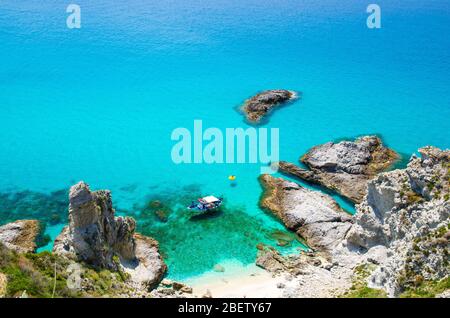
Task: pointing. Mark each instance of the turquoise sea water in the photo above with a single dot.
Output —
(99, 104)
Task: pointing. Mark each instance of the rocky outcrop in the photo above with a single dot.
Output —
(261, 104)
(147, 267)
(407, 213)
(269, 259)
(313, 215)
(306, 274)
(344, 167)
(20, 236)
(98, 238)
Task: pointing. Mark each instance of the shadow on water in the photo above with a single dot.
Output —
(210, 215)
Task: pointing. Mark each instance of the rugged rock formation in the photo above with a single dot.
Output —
(344, 167)
(96, 237)
(261, 104)
(400, 232)
(20, 236)
(3, 285)
(313, 215)
(306, 274)
(407, 213)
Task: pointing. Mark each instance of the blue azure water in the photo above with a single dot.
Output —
(99, 104)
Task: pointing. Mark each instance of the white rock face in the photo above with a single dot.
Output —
(403, 211)
(312, 214)
(20, 236)
(3, 285)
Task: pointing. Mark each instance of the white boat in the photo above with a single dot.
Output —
(205, 204)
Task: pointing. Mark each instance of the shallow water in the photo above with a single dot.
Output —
(99, 104)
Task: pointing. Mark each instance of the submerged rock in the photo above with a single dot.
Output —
(344, 167)
(96, 237)
(20, 236)
(312, 214)
(261, 104)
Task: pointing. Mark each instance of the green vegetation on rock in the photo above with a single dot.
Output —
(34, 274)
(359, 287)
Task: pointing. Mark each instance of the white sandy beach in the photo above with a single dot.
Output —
(238, 280)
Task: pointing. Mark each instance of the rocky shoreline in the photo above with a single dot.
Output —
(397, 242)
(396, 245)
(344, 167)
(111, 258)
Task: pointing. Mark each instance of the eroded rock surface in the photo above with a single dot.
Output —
(20, 236)
(312, 214)
(96, 237)
(344, 167)
(261, 104)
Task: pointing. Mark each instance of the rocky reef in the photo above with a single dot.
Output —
(20, 236)
(263, 103)
(395, 245)
(95, 236)
(344, 167)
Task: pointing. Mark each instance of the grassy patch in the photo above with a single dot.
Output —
(427, 289)
(359, 287)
